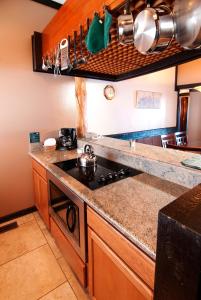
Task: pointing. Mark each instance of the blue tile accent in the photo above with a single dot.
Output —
(143, 134)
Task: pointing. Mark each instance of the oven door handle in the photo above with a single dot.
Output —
(71, 209)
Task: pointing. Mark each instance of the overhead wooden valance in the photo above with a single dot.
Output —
(69, 18)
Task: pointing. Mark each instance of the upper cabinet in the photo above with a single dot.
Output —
(116, 62)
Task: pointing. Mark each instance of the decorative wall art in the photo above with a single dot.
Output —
(148, 100)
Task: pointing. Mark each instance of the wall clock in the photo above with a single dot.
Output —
(109, 92)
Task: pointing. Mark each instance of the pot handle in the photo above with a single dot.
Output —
(148, 3)
(127, 7)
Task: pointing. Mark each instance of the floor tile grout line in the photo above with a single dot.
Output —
(66, 277)
(48, 243)
(23, 254)
(29, 221)
(57, 259)
(58, 262)
(37, 221)
(24, 222)
(34, 249)
(52, 290)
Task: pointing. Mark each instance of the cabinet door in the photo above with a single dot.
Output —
(109, 277)
(36, 185)
(41, 196)
(43, 206)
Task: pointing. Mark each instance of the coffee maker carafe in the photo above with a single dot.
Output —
(67, 139)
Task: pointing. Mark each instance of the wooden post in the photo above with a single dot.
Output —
(80, 93)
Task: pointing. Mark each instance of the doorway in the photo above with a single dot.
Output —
(183, 112)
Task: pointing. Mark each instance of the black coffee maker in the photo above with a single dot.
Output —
(67, 139)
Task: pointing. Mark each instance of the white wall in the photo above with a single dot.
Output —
(28, 101)
(194, 116)
(120, 114)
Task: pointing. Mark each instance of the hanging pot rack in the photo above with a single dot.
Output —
(119, 62)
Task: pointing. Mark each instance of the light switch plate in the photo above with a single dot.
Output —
(34, 137)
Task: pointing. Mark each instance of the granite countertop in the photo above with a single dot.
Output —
(164, 155)
(157, 161)
(130, 205)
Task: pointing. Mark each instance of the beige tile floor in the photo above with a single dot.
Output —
(32, 267)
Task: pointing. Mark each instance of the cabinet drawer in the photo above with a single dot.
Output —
(69, 253)
(39, 169)
(134, 258)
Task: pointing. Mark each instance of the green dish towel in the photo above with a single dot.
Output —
(95, 36)
(98, 36)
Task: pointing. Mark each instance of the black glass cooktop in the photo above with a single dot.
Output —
(104, 173)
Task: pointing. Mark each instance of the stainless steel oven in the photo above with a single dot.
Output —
(69, 213)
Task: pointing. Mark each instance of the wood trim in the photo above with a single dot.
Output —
(44, 209)
(37, 51)
(17, 214)
(39, 169)
(132, 277)
(187, 86)
(162, 64)
(176, 78)
(37, 63)
(8, 227)
(36, 188)
(178, 112)
(171, 61)
(69, 18)
(139, 262)
(77, 265)
(90, 264)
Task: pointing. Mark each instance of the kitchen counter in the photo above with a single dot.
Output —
(130, 205)
(157, 161)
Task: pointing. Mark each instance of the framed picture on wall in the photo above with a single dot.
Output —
(148, 100)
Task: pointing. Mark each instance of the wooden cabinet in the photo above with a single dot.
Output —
(116, 268)
(41, 190)
(74, 261)
(36, 183)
